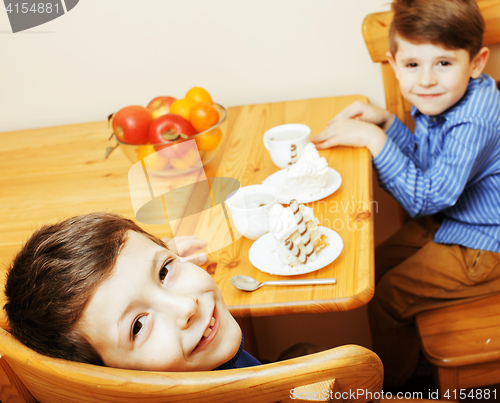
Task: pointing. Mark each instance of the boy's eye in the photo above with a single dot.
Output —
(411, 64)
(444, 63)
(137, 326)
(164, 270)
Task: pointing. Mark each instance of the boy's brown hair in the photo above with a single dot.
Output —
(452, 24)
(53, 276)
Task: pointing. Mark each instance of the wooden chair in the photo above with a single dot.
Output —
(463, 343)
(460, 341)
(26, 376)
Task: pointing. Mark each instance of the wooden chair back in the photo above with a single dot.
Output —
(376, 34)
(26, 376)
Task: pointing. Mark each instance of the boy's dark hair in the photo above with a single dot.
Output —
(453, 24)
(54, 275)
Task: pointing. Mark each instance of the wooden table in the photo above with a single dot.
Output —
(53, 173)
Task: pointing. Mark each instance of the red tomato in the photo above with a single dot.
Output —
(131, 124)
(168, 127)
(160, 106)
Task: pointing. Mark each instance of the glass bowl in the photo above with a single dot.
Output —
(208, 143)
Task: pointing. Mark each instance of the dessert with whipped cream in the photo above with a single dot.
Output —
(306, 175)
(296, 232)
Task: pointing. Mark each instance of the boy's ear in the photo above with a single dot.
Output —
(479, 62)
(392, 62)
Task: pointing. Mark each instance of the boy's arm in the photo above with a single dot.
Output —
(424, 192)
(360, 111)
(419, 192)
(367, 113)
(352, 133)
(402, 137)
(363, 125)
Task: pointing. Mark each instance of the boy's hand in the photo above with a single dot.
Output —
(358, 125)
(352, 133)
(367, 113)
(185, 246)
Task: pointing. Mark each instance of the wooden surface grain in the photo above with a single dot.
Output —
(54, 173)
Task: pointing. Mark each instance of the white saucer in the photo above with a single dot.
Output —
(333, 182)
(264, 256)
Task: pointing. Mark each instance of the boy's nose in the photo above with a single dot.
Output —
(427, 78)
(185, 308)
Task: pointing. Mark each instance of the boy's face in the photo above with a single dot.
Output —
(157, 313)
(431, 77)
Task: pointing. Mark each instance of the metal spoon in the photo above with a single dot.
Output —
(246, 283)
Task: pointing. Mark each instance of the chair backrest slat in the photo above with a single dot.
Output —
(58, 381)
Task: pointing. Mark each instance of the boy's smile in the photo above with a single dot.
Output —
(431, 77)
(157, 313)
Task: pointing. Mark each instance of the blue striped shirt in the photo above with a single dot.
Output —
(450, 165)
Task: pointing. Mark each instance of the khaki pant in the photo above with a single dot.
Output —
(414, 274)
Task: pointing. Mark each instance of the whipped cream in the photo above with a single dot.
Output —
(281, 222)
(308, 214)
(309, 163)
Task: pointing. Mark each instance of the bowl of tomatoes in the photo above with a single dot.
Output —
(143, 133)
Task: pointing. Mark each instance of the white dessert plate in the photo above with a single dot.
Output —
(264, 255)
(333, 182)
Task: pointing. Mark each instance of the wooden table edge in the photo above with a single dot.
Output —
(443, 361)
(324, 305)
(363, 98)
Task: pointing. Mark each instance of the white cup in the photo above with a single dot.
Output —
(279, 139)
(249, 207)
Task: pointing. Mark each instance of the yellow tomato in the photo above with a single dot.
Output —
(209, 141)
(154, 160)
(145, 150)
(199, 95)
(203, 116)
(182, 107)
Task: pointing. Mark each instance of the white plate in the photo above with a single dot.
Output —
(333, 182)
(264, 256)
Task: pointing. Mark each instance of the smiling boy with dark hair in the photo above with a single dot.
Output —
(446, 174)
(99, 289)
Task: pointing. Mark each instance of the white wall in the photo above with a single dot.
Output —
(104, 55)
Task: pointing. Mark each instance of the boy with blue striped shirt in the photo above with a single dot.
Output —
(446, 174)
